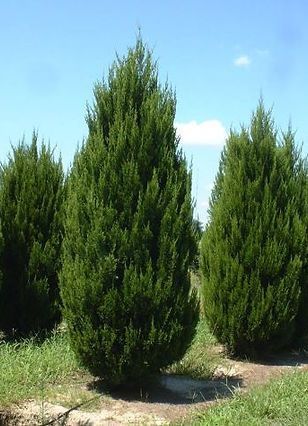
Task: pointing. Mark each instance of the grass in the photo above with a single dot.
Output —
(201, 359)
(44, 371)
(282, 401)
(48, 371)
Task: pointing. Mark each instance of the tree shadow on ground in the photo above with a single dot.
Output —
(291, 358)
(287, 359)
(173, 389)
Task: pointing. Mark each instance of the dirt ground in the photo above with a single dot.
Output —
(172, 399)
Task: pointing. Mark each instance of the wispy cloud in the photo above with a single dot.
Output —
(208, 132)
(242, 61)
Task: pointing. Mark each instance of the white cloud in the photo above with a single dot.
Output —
(208, 132)
(242, 61)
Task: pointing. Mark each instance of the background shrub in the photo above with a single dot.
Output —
(31, 202)
(253, 246)
(129, 230)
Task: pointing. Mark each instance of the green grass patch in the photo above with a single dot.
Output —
(202, 357)
(31, 369)
(282, 401)
(48, 371)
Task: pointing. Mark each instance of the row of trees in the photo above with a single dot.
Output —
(115, 240)
(110, 247)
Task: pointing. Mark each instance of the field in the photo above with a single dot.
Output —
(283, 401)
(40, 381)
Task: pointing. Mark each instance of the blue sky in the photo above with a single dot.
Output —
(219, 56)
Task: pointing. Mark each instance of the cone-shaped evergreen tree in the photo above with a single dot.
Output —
(252, 250)
(31, 204)
(1, 251)
(297, 167)
(129, 230)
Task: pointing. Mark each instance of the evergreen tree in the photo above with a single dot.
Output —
(252, 252)
(297, 167)
(129, 230)
(1, 251)
(31, 203)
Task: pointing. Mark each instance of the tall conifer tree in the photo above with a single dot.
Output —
(31, 203)
(129, 230)
(1, 251)
(297, 167)
(252, 253)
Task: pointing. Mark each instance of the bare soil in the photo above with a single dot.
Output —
(172, 399)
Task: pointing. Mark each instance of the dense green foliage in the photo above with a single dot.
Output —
(31, 200)
(299, 168)
(1, 251)
(253, 249)
(130, 237)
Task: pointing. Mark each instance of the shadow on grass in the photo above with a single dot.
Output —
(172, 389)
(285, 359)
